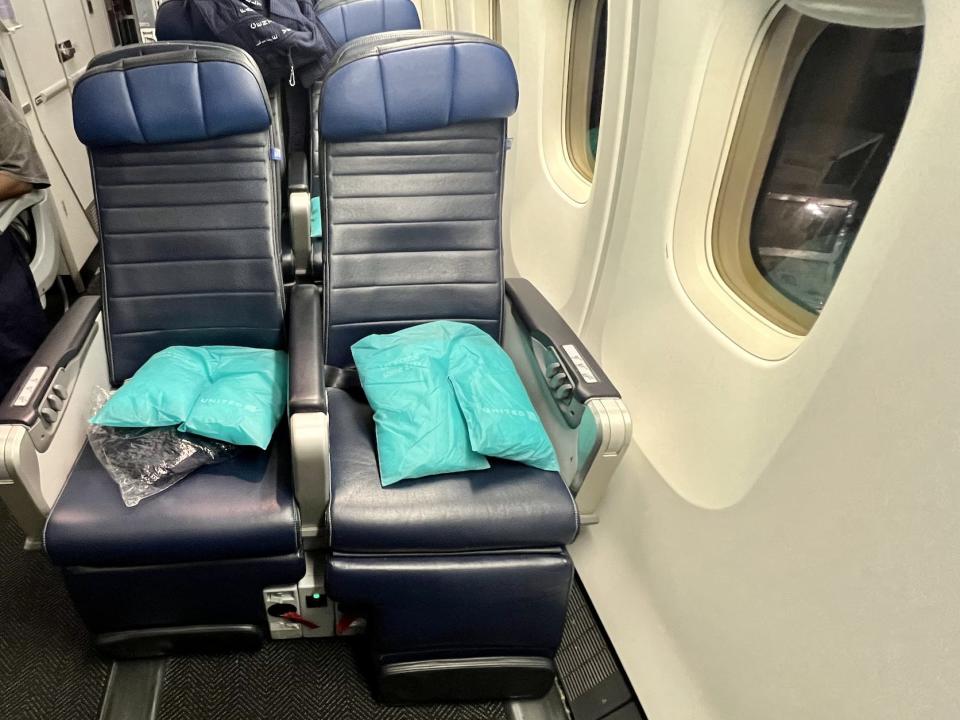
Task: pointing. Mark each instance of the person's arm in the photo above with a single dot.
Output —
(11, 187)
(21, 169)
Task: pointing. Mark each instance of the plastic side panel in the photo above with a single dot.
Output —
(55, 462)
(564, 438)
(35, 460)
(310, 443)
(592, 448)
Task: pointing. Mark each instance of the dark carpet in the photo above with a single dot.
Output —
(289, 680)
(48, 668)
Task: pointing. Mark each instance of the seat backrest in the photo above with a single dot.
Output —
(347, 20)
(414, 134)
(179, 143)
(175, 22)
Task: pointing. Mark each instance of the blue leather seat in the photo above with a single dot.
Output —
(463, 578)
(507, 507)
(241, 508)
(344, 20)
(348, 20)
(176, 22)
(179, 142)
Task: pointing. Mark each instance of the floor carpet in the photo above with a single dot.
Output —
(289, 680)
(48, 668)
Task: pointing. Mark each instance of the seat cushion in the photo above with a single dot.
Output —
(241, 508)
(508, 507)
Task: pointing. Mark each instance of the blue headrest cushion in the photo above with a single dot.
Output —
(346, 21)
(175, 22)
(153, 100)
(404, 86)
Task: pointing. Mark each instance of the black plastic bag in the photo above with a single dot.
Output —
(146, 461)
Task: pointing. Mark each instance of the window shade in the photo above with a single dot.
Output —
(863, 13)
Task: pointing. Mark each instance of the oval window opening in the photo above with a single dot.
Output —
(822, 116)
(585, 85)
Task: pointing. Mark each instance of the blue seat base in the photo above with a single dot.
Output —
(462, 578)
(447, 606)
(199, 553)
(237, 509)
(222, 592)
(508, 507)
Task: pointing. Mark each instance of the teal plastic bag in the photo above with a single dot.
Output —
(420, 429)
(233, 394)
(445, 395)
(316, 218)
(501, 420)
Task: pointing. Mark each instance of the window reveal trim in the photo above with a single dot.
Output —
(583, 38)
(782, 52)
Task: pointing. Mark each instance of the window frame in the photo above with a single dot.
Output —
(496, 21)
(582, 48)
(784, 48)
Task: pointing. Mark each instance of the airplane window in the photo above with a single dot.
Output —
(596, 97)
(4, 83)
(845, 98)
(586, 76)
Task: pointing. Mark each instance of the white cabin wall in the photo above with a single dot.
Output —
(555, 221)
(780, 540)
(475, 16)
(41, 85)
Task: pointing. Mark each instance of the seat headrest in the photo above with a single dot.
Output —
(169, 92)
(410, 81)
(174, 22)
(347, 20)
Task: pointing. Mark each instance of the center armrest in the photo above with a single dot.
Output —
(307, 390)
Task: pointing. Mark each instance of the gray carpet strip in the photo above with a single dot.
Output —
(289, 680)
(48, 668)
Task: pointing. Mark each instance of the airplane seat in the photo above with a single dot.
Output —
(348, 20)
(462, 578)
(296, 108)
(174, 21)
(345, 21)
(176, 24)
(179, 144)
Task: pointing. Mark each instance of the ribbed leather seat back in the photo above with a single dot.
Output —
(348, 20)
(180, 150)
(413, 129)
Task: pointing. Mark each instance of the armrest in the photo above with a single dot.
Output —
(582, 412)
(24, 403)
(43, 419)
(544, 323)
(309, 424)
(307, 390)
(298, 183)
(298, 176)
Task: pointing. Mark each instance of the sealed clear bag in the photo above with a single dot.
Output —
(146, 461)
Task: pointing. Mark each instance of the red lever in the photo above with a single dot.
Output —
(298, 618)
(346, 622)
